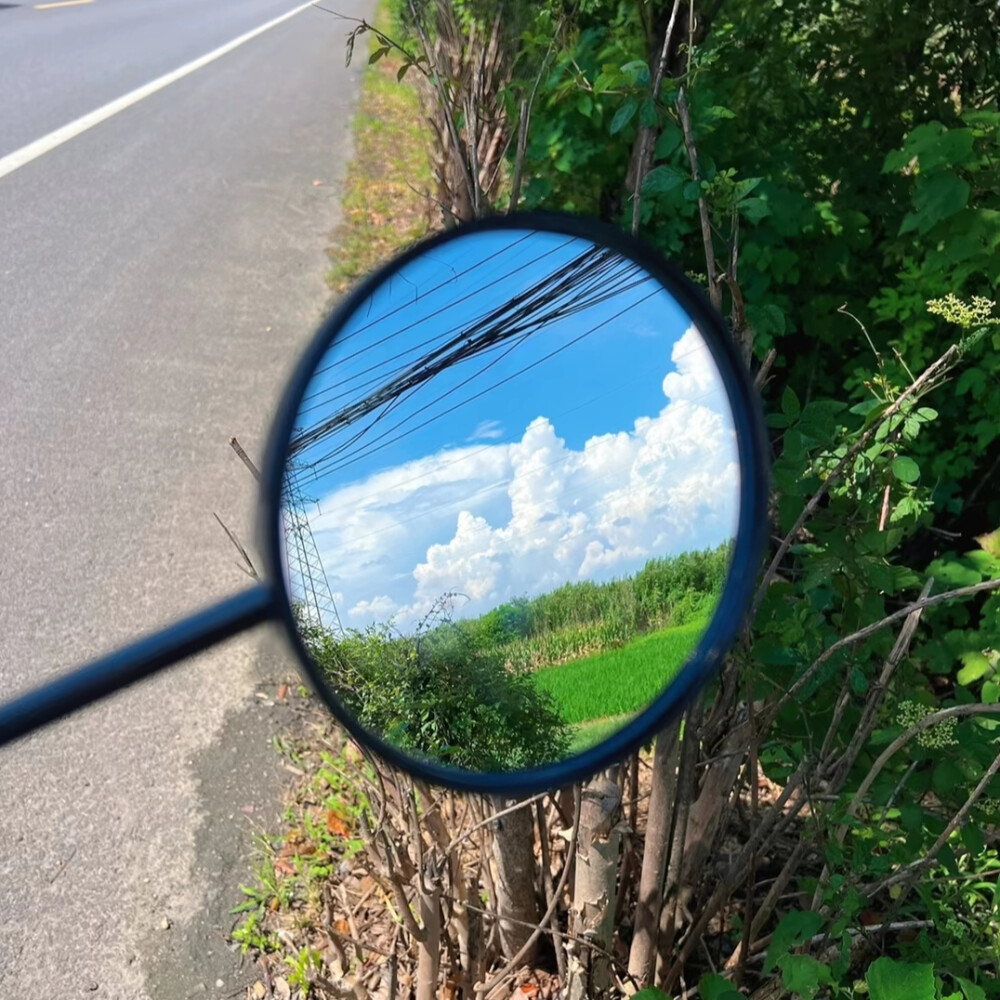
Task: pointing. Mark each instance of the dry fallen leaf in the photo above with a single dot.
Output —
(281, 989)
(283, 689)
(336, 825)
(259, 990)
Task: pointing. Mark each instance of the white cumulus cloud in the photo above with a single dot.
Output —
(493, 521)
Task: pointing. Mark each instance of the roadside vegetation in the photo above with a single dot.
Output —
(385, 203)
(825, 821)
(502, 691)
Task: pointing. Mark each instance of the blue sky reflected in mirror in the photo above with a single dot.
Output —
(511, 412)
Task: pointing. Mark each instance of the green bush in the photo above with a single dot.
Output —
(442, 694)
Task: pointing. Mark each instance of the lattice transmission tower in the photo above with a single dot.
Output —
(308, 583)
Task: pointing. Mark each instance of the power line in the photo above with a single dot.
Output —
(497, 326)
(482, 449)
(570, 456)
(372, 450)
(455, 276)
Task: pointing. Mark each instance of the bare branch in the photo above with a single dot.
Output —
(644, 158)
(923, 384)
(711, 269)
(864, 633)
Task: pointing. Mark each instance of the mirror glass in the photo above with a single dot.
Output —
(511, 498)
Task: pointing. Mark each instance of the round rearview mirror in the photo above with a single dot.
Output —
(516, 500)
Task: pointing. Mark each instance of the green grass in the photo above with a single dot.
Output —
(384, 206)
(619, 681)
(590, 733)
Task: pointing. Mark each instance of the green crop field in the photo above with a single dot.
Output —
(620, 681)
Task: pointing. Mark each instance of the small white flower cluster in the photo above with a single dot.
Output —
(909, 713)
(978, 312)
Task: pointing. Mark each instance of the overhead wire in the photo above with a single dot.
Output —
(371, 450)
(471, 342)
(454, 276)
(482, 449)
(523, 299)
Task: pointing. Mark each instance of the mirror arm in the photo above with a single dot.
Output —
(141, 659)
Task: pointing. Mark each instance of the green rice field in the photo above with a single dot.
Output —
(619, 682)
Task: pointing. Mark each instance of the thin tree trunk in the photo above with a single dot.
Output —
(674, 885)
(429, 952)
(598, 844)
(517, 899)
(642, 954)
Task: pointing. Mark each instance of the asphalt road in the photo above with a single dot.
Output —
(158, 273)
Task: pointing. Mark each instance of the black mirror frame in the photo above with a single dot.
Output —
(748, 549)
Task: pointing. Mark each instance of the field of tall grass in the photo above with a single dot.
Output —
(534, 678)
(619, 681)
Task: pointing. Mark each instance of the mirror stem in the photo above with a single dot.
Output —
(54, 700)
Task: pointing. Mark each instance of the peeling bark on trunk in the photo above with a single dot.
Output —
(429, 952)
(593, 914)
(517, 898)
(642, 954)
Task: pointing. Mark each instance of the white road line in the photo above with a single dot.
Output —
(11, 162)
(61, 3)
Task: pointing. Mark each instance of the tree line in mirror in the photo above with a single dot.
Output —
(532, 680)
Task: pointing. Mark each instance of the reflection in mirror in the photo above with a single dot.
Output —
(511, 498)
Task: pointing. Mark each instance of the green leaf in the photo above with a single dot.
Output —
(905, 469)
(744, 187)
(378, 54)
(647, 113)
(767, 320)
(624, 115)
(692, 190)
(975, 665)
(953, 573)
(953, 146)
(804, 975)
(663, 179)
(755, 208)
(972, 379)
(896, 160)
(875, 414)
(947, 777)
(670, 139)
(795, 927)
(911, 817)
(717, 111)
(973, 839)
(971, 990)
(401, 72)
(639, 70)
(712, 987)
(888, 979)
(937, 198)
(790, 403)
(652, 993)
(990, 543)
